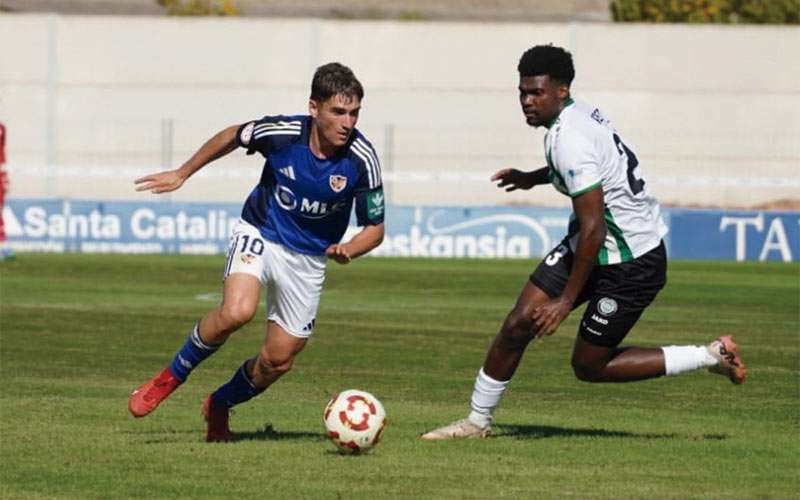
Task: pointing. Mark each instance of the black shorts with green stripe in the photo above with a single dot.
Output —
(617, 293)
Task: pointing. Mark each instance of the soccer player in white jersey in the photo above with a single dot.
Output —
(318, 166)
(613, 256)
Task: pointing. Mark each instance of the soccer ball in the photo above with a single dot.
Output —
(354, 420)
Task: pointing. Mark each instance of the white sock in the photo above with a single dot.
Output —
(686, 358)
(485, 399)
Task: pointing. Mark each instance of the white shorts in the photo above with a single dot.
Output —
(293, 280)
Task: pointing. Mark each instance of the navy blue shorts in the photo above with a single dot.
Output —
(617, 293)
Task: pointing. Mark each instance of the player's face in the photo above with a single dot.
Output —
(541, 98)
(335, 118)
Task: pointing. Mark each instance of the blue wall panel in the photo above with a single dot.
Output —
(480, 232)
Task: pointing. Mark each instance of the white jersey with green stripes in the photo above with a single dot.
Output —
(584, 152)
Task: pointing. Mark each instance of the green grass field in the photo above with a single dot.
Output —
(78, 333)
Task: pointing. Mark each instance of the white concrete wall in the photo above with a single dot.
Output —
(713, 112)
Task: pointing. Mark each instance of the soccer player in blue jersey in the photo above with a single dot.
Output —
(317, 167)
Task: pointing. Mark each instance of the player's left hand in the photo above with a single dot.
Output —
(513, 179)
(548, 316)
(338, 253)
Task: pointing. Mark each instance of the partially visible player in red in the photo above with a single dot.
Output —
(5, 253)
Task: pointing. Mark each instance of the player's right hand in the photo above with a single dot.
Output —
(513, 179)
(547, 317)
(338, 253)
(162, 182)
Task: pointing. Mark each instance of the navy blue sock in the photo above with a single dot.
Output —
(238, 389)
(194, 351)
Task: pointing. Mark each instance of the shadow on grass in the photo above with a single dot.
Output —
(546, 431)
(265, 434)
(270, 434)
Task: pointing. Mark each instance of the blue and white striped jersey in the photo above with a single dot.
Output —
(302, 202)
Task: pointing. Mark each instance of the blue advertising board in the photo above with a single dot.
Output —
(473, 232)
(734, 235)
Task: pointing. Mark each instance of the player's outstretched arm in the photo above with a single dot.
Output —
(513, 179)
(366, 239)
(163, 182)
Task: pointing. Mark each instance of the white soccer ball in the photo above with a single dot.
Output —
(354, 420)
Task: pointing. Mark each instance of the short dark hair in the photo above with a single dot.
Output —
(334, 78)
(547, 60)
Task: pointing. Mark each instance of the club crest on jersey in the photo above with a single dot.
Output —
(607, 306)
(338, 182)
(248, 259)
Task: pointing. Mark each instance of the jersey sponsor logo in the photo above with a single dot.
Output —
(247, 133)
(375, 205)
(285, 198)
(288, 172)
(338, 182)
(313, 207)
(600, 320)
(310, 209)
(607, 306)
(310, 326)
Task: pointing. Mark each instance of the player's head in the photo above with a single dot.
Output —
(335, 102)
(545, 74)
(334, 78)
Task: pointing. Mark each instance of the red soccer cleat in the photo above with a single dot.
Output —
(217, 419)
(729, 364)
(146, 398)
